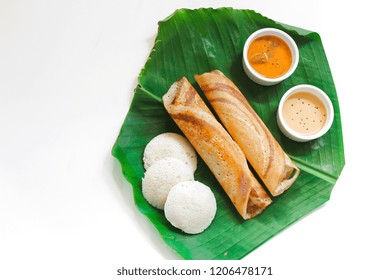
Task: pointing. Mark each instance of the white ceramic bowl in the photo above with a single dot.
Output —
(256, 76)
(294, 135)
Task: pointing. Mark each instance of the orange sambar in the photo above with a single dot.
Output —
(270, 56)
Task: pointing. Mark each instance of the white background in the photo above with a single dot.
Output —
(67, 74)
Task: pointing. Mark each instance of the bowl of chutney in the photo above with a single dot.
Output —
(270, 56)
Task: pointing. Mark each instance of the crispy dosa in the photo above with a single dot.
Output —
(216, 147)
(272, 164)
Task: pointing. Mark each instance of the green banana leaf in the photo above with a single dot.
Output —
(191, 42)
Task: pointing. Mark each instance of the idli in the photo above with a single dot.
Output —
(161, 176)
(170, 145)
(190, 206)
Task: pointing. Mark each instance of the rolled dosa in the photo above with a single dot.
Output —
(216, 147)
(264, 153)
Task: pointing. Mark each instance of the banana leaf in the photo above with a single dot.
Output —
(190, 42)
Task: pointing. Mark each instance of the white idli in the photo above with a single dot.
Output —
(161, 176)
(170, 145)
(190, 206)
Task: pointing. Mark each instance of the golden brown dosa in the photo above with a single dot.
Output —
(216, 147)
(264, 153)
